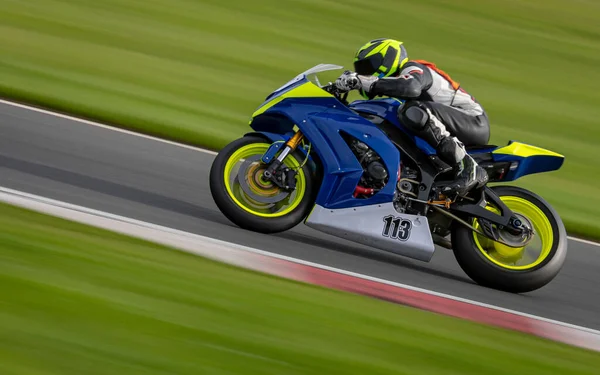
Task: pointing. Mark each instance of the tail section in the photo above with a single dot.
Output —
(516, 160)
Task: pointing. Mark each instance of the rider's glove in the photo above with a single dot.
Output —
(347, 81)
(352, 81)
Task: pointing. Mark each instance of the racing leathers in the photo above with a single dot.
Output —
(438, 110)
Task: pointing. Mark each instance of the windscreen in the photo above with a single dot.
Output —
(315, 75)
(318, 76)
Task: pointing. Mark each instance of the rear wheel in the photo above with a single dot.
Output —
(520, 269)
(250, 201)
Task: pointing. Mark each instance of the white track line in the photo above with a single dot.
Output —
(108, 127)
(119, 130)
(69, 211)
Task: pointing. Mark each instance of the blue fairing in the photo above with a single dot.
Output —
(387, 108)
(321, 120)
(530, 165)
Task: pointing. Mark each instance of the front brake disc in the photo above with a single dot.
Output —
(243, 175)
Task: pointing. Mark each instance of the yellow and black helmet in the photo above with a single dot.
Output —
(380, 57)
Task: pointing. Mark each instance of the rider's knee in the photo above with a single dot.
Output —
(414, 117)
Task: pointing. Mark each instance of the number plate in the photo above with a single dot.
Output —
(396, 227)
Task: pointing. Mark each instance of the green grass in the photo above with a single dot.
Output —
(195, 70)
(80, 300)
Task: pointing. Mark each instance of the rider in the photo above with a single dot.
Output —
(437, 109)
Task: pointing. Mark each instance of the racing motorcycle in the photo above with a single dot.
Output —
(352, 170)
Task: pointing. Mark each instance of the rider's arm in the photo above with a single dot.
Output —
(413, 80)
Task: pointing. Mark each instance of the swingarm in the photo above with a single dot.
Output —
(506, 227)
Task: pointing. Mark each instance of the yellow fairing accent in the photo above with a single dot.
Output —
(306, 90)
(524, 150)
(521, 258)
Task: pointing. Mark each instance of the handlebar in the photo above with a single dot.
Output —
(340, 95)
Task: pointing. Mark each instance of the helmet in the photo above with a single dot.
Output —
(380, 57)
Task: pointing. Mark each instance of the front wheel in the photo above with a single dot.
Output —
(521, 269)
(250, 201)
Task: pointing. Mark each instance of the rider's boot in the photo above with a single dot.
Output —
(468, 175)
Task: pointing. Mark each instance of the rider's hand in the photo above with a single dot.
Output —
(352, 81)
(347, 81)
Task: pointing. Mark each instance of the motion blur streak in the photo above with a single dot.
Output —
(299, 270)
(150, 180)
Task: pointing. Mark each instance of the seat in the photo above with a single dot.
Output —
(474, 148)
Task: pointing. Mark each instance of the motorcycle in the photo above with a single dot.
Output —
(352, 170)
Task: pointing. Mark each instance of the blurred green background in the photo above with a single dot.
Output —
(78, 300)
(194, 71)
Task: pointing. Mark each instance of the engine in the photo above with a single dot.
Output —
(375, 174)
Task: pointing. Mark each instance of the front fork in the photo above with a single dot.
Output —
(284, 177)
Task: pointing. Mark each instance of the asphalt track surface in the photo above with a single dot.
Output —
(166, 184)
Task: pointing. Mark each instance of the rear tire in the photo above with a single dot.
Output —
(236, 205)
(490, 271)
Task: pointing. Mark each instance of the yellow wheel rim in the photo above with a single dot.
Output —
(521, 258)
(259, 186)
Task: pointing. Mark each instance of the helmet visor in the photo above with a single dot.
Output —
(368, 66)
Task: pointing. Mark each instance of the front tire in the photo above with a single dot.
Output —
(253, 203)
(500, 267)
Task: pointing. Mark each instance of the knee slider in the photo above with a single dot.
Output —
(415, 118)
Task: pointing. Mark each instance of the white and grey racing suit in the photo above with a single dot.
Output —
(440, 113)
